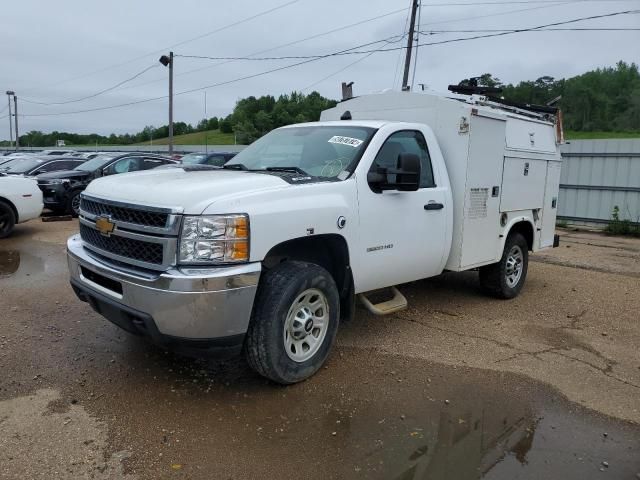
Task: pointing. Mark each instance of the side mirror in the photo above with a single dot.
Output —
(408, 173)
(405, 177)
(108, 171)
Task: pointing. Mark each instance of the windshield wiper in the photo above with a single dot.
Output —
(235, 166)
(286, 169)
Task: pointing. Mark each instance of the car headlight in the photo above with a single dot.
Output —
(58, 181)
(214, 239)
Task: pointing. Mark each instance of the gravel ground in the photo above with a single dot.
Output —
(457, 386)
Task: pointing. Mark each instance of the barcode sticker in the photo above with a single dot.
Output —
(352, 142)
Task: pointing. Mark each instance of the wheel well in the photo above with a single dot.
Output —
(526, 230)
(330, 251)
(12, 206)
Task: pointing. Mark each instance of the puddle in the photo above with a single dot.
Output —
(9, 262)
(365, 416)
(23, 264)
(20, 264)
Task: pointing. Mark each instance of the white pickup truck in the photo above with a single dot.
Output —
(20, 200)
(269, 253)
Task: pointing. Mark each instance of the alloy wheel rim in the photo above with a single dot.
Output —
(75, 203)
(306, 325)
(514, 266)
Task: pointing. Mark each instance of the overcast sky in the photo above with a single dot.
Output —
(69, 49)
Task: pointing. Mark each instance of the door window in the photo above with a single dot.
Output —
(49, 167)
(149, 163)
(406, 141)
(216, 160)
(68, 164)
(129, 164)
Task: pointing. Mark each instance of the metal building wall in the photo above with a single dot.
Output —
(598, 175)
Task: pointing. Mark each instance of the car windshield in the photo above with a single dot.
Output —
(94, 163)
(193, 158)
(22, 165)
(321, 151)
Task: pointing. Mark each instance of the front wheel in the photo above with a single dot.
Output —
(7, 220)
(506, 278)
(294, 322)
(73, 204)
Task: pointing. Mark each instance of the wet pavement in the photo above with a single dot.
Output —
(430, 393)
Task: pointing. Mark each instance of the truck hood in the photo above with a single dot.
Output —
(192, 190)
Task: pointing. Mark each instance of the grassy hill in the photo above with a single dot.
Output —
(209, 137)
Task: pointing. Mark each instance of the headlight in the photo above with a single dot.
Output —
(58, 181)
(214, 239)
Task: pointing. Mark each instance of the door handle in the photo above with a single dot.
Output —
(433, 206)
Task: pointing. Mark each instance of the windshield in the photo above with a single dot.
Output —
(193, 158)
(22, 165)
(321, 151)
(94, 163)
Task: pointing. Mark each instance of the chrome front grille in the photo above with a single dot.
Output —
(125, 214)
(138, 250)
(140, 235)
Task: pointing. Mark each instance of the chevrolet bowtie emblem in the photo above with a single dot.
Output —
(105, 226)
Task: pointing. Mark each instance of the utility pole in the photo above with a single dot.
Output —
(9, 93)
(206, 139)
(415, 60)
(15, 112)
(167, 61)
(407, 60)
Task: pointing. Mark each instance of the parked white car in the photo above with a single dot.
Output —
(20, 200)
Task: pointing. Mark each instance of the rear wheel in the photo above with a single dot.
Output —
(7, 220)
(294, 322)
(506, 278)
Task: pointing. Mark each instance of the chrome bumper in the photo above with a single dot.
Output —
(187, 303)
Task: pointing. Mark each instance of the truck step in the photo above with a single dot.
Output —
(395, 304)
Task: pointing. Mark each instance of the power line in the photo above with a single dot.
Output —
(217, 30)
(401, 37)
(312, 37)
(512, 2)
(291, 57)
(189, 91)
(352, 51)
(548, 4)
(499, 14)
(342, 52)
(624, 29)
(95, 94)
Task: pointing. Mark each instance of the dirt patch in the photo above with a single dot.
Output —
(39, 439)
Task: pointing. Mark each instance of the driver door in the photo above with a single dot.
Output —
(402, 233)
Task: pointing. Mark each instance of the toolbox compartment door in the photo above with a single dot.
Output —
(523, 184)
(550, 208)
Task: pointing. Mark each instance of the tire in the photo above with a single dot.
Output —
(283, 319)
(7, 220)
(73, 203)
(506, 278)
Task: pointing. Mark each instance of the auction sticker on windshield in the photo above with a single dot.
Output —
(353, 142)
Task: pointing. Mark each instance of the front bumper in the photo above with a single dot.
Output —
(54, 196)
(194, 308)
